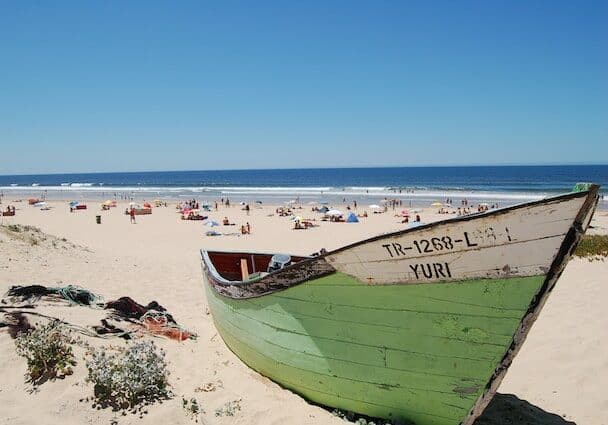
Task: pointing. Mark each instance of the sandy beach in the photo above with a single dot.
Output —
(557, 378)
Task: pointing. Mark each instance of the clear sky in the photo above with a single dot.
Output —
(130, 86)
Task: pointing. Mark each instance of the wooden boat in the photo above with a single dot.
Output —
(419, 325)
(139, 211)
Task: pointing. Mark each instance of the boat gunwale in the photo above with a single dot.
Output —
(565, 252)
(464, 218)
(223, 281)
(218, 279)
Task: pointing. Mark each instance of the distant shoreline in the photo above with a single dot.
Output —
(386, 167)
(416, 186)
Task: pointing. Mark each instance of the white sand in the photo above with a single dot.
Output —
(562, 369)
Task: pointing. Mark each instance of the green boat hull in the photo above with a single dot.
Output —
(417, 353)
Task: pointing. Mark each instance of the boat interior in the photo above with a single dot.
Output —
(245, 266)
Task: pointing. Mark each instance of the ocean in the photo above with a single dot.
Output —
(504, 185)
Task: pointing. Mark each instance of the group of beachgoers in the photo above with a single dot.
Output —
(10, 210)
(465, 210)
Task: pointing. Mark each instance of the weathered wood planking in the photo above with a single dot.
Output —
(519, 242)
(408, 346)
(422, 352)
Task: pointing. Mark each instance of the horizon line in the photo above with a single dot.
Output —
(316, 168)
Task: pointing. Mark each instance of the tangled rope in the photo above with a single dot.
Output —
(75, 295)
(152, 318)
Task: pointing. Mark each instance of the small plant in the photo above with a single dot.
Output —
(129, 376)
(593, 246)
(358, 419)
(48, 351)
(229, 409)
(15, 228)
(192, 408)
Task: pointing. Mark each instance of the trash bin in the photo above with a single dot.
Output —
(98, 219)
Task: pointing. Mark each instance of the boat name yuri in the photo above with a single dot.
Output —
(431, 270)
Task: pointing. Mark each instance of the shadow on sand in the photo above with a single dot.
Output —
(507, 409)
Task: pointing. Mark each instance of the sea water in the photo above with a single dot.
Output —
(414, 186)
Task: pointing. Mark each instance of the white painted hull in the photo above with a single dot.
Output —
(519, 241)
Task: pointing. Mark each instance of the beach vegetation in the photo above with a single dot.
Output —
(48, 351)
(15, 228)
(230, 408)
(192, 408)
(593, 247)
(358, 419)
(129, 376)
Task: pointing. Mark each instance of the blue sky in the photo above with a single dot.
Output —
(125, 86)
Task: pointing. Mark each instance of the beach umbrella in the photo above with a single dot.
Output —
(211, 223)
(293, 201)
(436, 204)
(296, 218)
(334, 212)
(73, 203)
(323, 209)
(405, 213)
(375, 206)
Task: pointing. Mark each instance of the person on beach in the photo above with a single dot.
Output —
(132, 215)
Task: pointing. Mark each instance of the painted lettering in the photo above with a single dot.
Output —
(438, 269)
(414, 269)
(387, 246)
(469, 243)
(398, 248)
(425, 268)
(431, 270)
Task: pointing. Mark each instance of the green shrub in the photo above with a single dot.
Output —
(130, 376)
(48, 351)
(593, 246)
